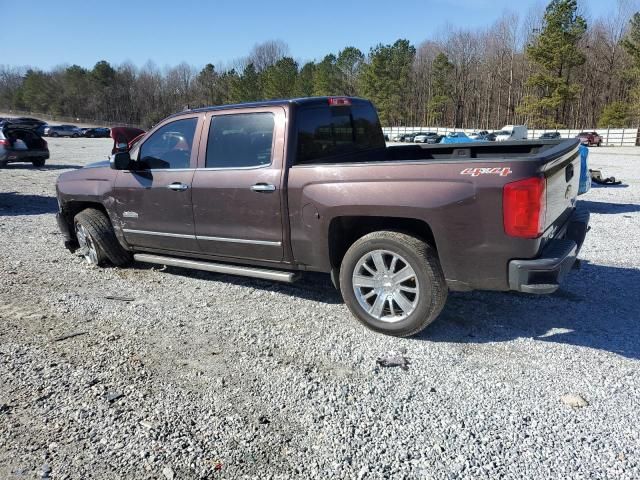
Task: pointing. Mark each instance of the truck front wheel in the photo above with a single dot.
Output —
(393, 283)
(97, 240)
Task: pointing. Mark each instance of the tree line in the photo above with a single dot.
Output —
(549, 69)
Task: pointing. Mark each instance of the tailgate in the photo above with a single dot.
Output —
(562, 173)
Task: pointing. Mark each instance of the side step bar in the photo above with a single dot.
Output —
(278, 276)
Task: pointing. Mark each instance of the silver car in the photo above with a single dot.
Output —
(63, 131)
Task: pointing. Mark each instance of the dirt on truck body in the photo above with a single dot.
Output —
(272, 189)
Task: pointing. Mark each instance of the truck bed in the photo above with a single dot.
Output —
(543, 150)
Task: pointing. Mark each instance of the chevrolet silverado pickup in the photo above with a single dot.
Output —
(275, 188)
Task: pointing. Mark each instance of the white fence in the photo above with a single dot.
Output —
(623, 137)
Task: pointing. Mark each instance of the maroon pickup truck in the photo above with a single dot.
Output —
(272, 189)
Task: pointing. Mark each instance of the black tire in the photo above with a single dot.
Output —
(54, 134)
(75, 135)
(599, 143)
(99, 228)
(421, 257)
(38, 162)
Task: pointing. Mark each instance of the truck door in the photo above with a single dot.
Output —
(154, 201)
(237, 187)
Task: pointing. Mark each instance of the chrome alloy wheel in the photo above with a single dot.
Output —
(385, 286)
(87, 247)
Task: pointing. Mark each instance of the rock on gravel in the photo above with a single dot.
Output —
(575, 401)
(168, 473)
(203, 357)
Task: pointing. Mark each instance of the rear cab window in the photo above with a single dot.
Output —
(333, 134)
(240, 140)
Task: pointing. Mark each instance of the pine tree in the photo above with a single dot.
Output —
(441, 89)
(386, 80)
(304, 82)
(278, 80)
(556, 53)
(246, 87)
(326, 77)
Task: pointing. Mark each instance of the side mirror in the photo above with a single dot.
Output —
(120, 161)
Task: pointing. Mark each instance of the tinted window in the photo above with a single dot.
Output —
(241, 140)
(325, 132)
(169, 146)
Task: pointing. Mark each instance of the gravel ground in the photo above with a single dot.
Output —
(197, 375)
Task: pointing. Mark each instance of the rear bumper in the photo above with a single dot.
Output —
(23, 155)
(545, 273)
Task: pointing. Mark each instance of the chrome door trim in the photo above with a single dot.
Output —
(159, 234)
(240, 240)
(200, 237)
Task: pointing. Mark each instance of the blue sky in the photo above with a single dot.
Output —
(82, 32)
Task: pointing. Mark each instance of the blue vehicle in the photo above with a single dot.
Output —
(456, 137)
(585, 176)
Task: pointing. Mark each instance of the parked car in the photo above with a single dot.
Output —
(95, 132)
(512, 132)
(31, 123)
(19, 143)
(27, 122)
(63, 131)
(477, 135)
(408, 137)
(550, 136)
(487, 137)
(455, 137)
(403, 137)
(590, 138)
(427, 137)
(395, 229)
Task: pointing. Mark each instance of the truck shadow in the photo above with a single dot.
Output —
(16, 204)
(608, 208)
(597, 309)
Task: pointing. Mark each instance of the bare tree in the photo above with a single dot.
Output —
(266, 54)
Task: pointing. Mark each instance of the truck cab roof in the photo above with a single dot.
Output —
(340, 100)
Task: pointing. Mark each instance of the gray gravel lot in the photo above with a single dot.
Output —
(211, 376)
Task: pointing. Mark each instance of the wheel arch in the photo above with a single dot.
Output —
(345, 230)
(74, 207)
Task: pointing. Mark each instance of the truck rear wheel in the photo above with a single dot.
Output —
(393, 283)
(97, 240)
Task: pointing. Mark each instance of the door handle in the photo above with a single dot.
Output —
(177, 186)
(263, 187)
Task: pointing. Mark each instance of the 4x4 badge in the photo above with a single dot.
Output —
(475, 172)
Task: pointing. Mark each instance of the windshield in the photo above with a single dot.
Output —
(503, 132)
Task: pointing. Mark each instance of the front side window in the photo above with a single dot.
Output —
(170, 146)
(240, 140)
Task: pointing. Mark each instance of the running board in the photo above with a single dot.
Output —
(279, 276)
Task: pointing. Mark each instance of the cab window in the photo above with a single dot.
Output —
(170, 146)
(242, 140)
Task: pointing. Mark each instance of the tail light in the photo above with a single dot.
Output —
(4, 142)
(336, 101)
(523, 207)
